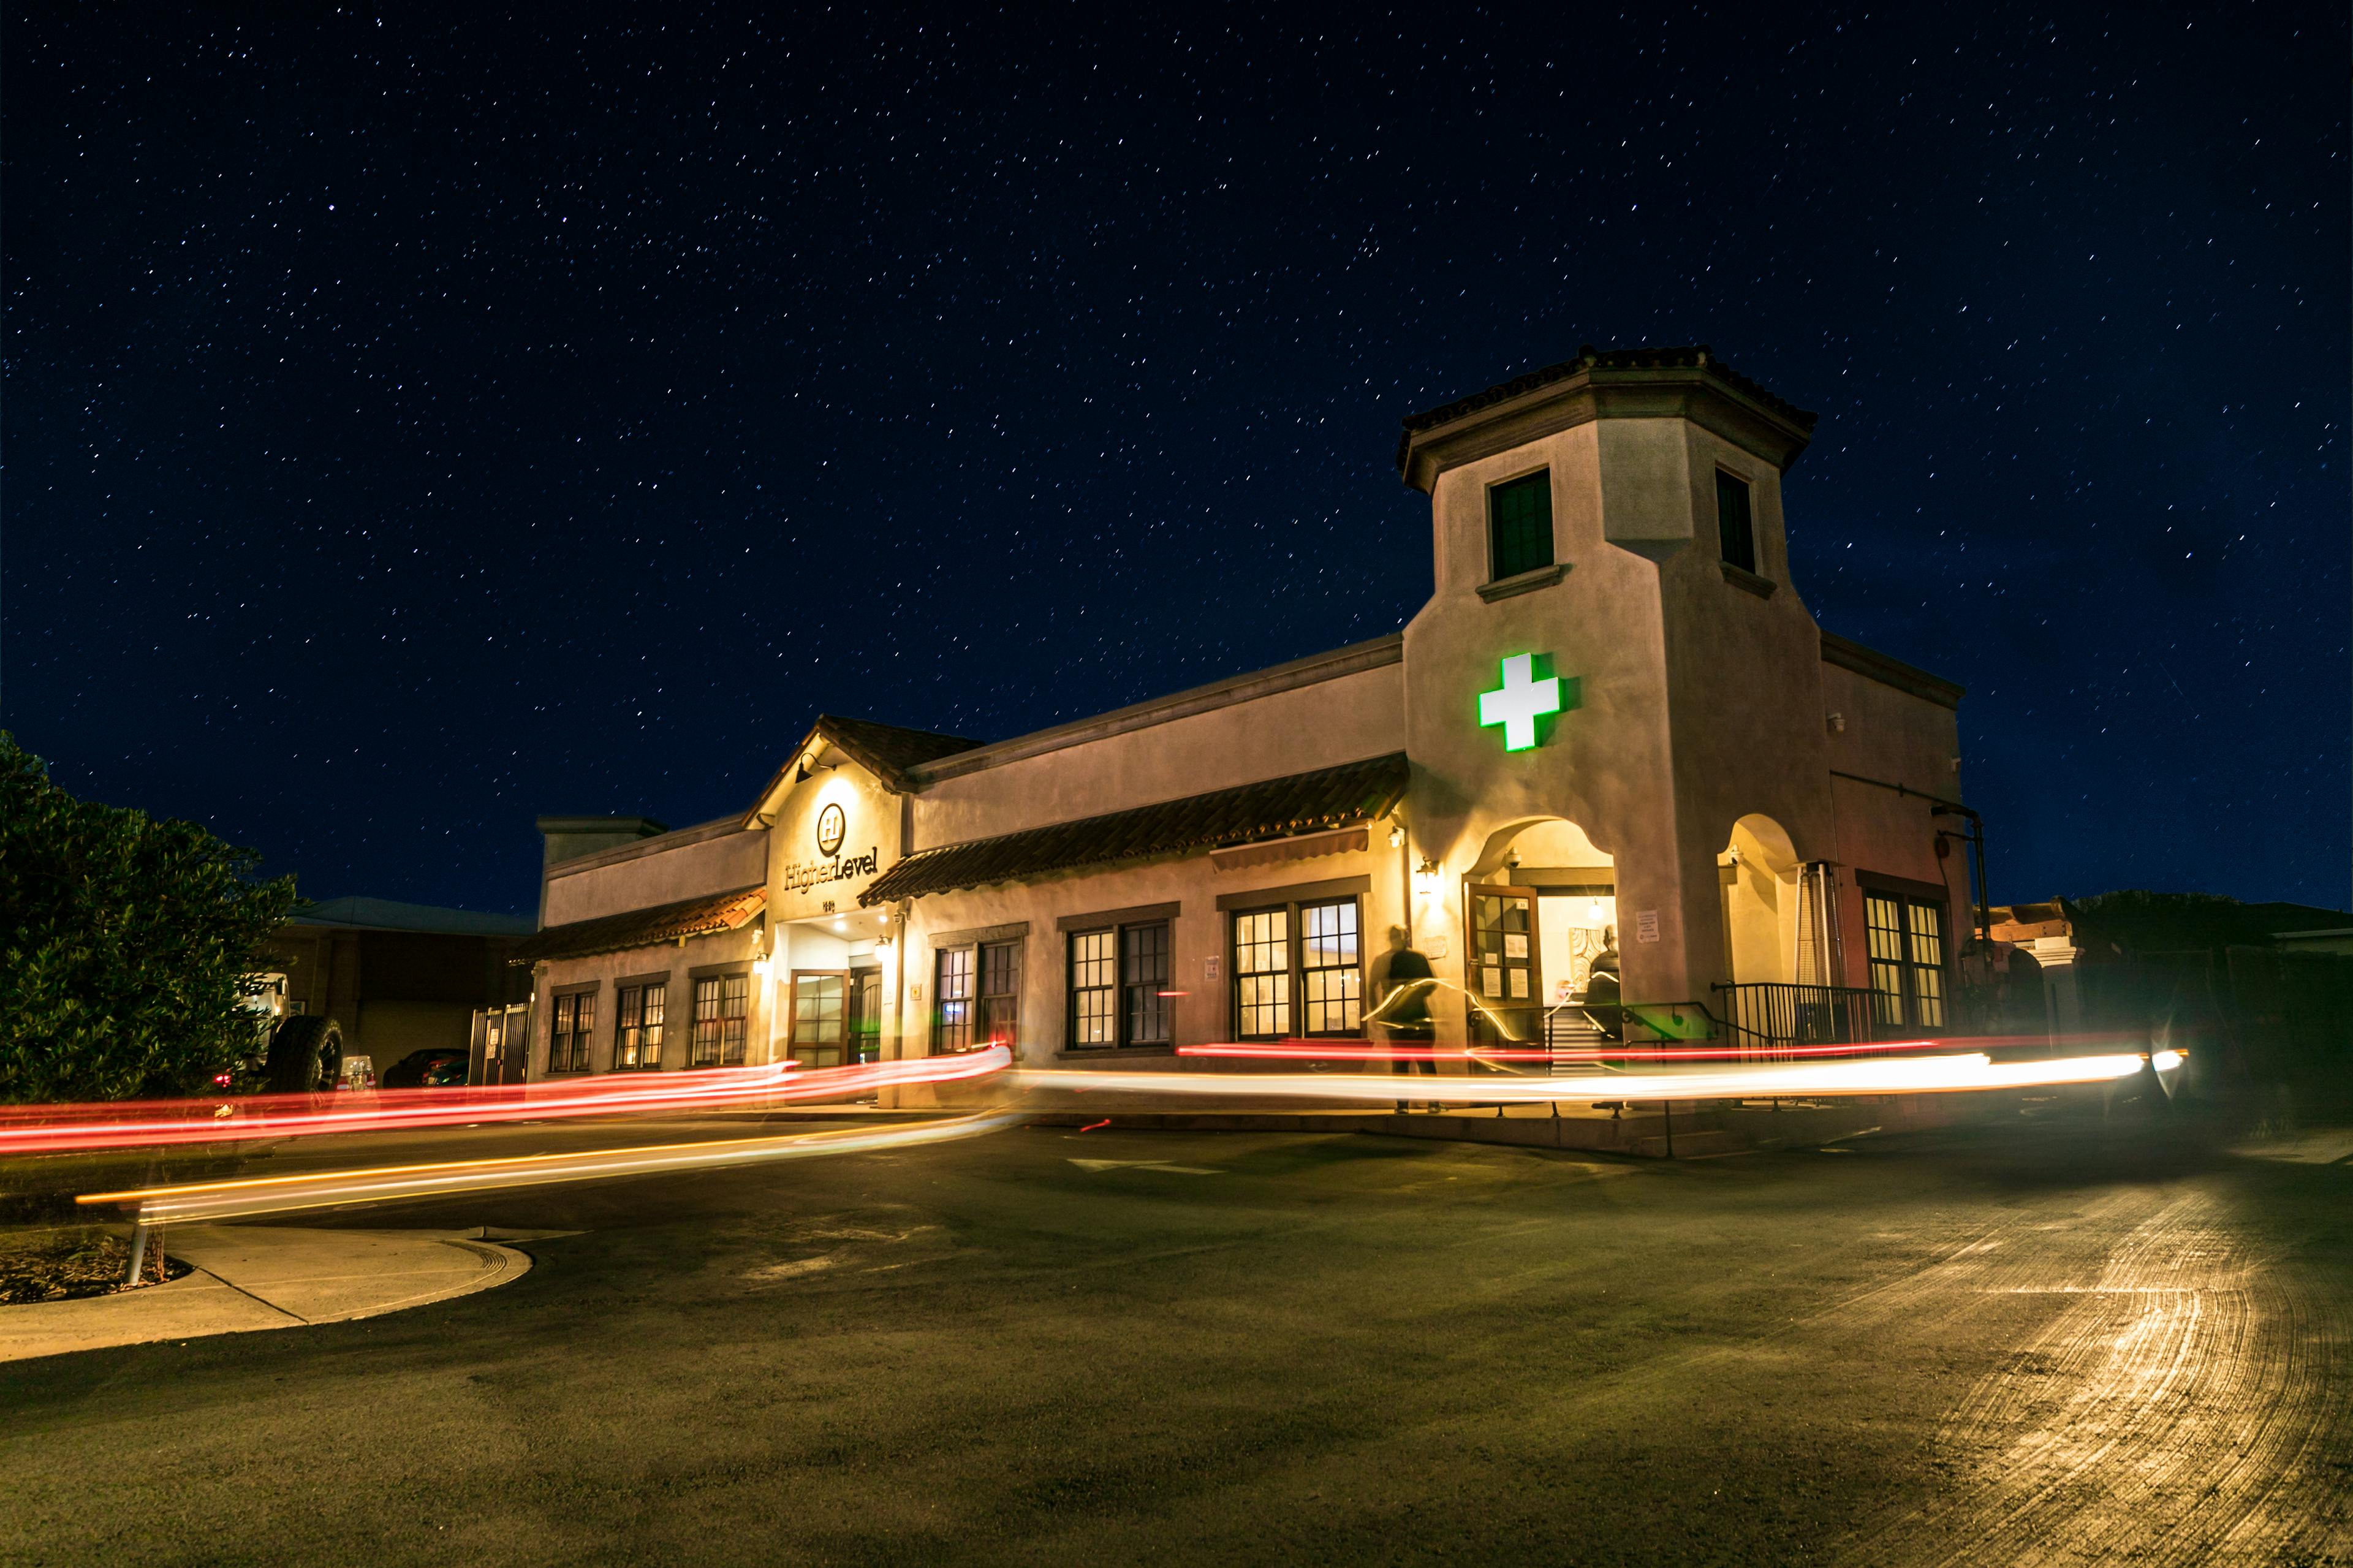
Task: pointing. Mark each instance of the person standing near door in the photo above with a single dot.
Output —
(1405, 1010)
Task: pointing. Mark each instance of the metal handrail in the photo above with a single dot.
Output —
(1770, 1016)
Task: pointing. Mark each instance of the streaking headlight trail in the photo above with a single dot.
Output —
(59, 1129)
(1913, 1075)
(326, 1189)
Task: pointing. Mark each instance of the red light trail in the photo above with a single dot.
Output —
(59, 1129)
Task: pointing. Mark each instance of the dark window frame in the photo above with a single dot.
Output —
(953, 1038)
(647, 1051)
(1295, 988)
(1908, 991)
(1736, 536)
(565, 1032)
(1123, 992)
(1520, 554)
(715, 1048)
(996, 994)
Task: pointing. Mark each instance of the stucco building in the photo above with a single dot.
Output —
(1614, 726)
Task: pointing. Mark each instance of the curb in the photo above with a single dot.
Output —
(245, 1278)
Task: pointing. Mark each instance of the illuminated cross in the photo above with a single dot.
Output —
(1522, 701)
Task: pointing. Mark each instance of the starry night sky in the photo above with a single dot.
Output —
(417, 423)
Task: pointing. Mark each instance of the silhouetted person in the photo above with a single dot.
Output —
(1405, 1013)
(1601, 990)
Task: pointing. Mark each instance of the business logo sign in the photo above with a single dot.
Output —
(831, 825)
(1526, 697)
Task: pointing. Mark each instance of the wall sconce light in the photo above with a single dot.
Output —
(1396, 837)
(1425, 877)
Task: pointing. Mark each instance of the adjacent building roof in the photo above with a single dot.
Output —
(385, 914)
(644, 927)
(1328, 797)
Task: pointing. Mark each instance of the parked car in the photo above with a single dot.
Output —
(438, 1067)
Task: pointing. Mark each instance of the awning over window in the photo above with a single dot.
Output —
(1272, 808)
(644, 927)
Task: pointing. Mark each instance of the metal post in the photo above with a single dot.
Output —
(138, 1247)
(1667, 1116)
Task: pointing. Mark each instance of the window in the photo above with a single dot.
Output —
(1094, 987)
(1733, 521)
(1000, 993)
(952, 1027)
(567, 1037)
(1907, 960)
(1310, 952)
(1119, 984)
(723, 1007)
(1519, 525)
(1262, 974)
(637, 1029)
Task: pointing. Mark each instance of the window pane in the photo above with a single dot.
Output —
(1094, 1018)
(952, 976)
(1262, 974)
(651, 1054)
(1000, 993)
(1732, 521)
(1265, 1001)
(734, 1018)
(817, 1009)
(1143, 974)
(702, 1051)
(1927, 934)
(628, 1032)
(1519, 525)
(1331, 977)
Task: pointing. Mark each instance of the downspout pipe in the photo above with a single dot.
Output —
(1939, 807)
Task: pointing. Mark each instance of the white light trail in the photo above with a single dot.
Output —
(1809, 1081)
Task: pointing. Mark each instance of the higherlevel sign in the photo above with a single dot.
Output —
(1522, 699)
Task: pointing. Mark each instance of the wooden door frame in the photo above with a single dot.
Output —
(792, 1011)
(1534, 1006)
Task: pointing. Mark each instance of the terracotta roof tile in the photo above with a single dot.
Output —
(644, 927)
(1329, 798)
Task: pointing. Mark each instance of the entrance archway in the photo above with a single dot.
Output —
(1759, 874)
(1541, 908)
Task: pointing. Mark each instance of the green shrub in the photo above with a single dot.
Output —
(124, 942)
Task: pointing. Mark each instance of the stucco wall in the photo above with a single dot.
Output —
(1745, 701)
(1892, 737)
(804, 880)
(693, 862)
(1198, 934)
(672, 959)
(1339, 721)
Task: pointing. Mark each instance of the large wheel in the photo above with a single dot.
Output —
(305, 1054)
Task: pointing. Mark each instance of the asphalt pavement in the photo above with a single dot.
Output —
(2054, 1343)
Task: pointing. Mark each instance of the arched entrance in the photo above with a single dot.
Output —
(1761, 878)
(1541, 910)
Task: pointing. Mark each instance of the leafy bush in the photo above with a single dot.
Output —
(124, 942)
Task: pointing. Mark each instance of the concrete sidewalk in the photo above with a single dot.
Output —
(247, 1277)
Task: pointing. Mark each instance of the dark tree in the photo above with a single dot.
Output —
(124, 944)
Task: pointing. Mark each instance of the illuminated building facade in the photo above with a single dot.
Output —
(1613, 735)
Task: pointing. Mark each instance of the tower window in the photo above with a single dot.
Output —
(1519, 525)
(1733, 521)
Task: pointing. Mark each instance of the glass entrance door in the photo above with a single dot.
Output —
(820, 1017)
(1505, 972)
(866, 1015)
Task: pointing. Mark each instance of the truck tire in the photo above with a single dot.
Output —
(306, 1054)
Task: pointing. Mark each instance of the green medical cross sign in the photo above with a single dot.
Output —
(1523, 700)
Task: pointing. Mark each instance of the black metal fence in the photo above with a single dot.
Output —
(1769, 1018)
